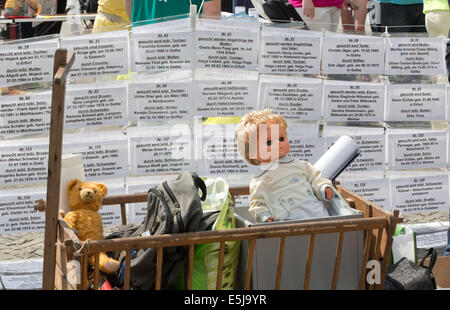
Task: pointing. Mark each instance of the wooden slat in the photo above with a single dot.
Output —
(191, 266)
(123, 213)
(251, 250)
(220, 266)
(280, 262)
(159, 260)
(309, 262)
(54, 173)
(96, 270)
(377, 252)
(126, 278)
(84, 275)
(362, 279)
(63, 70)
(337, 261)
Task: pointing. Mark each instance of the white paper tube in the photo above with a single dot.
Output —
(337, 158)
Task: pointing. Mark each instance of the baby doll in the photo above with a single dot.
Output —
(286, 188)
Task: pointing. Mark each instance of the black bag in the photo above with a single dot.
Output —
(281, 11)
(173, 207)
(406, 275)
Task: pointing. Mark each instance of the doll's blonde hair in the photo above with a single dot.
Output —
(249, 126)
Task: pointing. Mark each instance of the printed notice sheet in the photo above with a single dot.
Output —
(289, 51)
(342, 54)
(293, 98)
(27, 62)
(374, 190)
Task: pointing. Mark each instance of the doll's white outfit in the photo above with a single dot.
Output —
(288, 189)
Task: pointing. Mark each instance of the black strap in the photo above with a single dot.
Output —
(199, 184)
(431, 252)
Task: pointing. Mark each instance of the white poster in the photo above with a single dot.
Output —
(160, 149)
(374, 190)
(420, 194)
(426, 149)
(342, 54)
(227, 45)
(415, 102)
(25, 114)
(111, 214)
(98, 54)
(25, 63)
(23, 161)
(414, 56)
(160, 47)
(225, 93)
(293, 98)
(104, 105)
(306, 148)
(371, 143)
(289, 51)
(160, 101)
(220, 155)
(105, 154)
(17, 212)
(353, 101)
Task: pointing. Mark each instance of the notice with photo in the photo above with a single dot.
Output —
(160, 150)
(289, 51)
(420, 194)
(417, 150)
(156, 101)
(98, 54)
(105, 154)
(25, 114)
(352, 55)
(23, 161)
(294, 99)
(374, 190)
(224, 45)
(353, 102)
(102, 106)
(415, 102)
(17, 212)
(159, 48)
(414, 56)
(27, 62)
(229, 95)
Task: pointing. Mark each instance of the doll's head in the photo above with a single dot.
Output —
(261, 137)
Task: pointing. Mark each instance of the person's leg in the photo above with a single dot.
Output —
(394, 15)
(447, 249)
(360, 16)
(322, 18)
(419, 18)
(347, 20)
(335, 16)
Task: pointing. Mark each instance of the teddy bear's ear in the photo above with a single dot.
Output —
(72, 183)
(103, 188)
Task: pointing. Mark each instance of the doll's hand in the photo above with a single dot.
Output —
(270, 219)
(329, 193)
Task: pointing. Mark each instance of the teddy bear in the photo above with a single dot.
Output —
(85, 199)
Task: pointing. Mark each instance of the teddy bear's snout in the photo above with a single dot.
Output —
(87, 195)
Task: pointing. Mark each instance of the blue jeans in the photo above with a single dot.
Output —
(447, 249)
(396, 15)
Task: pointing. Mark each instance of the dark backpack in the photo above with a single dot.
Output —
(281, 11)
(173, 207)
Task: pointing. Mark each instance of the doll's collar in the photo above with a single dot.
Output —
(273, 165)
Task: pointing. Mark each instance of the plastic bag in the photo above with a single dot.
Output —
(22, 8)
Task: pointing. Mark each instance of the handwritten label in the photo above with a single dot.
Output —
(26, 114)
(417, 150)
(414, 56)
(418, 102)
(420, 194)
(102, 106)
(352, 55)
(160, 101)
(293, 100)
(354, 102)
(287, 51)
(27, 63)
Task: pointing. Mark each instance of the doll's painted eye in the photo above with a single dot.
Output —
(281, 139)
(269, 143)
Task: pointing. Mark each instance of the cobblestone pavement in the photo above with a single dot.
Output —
(30, 245)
